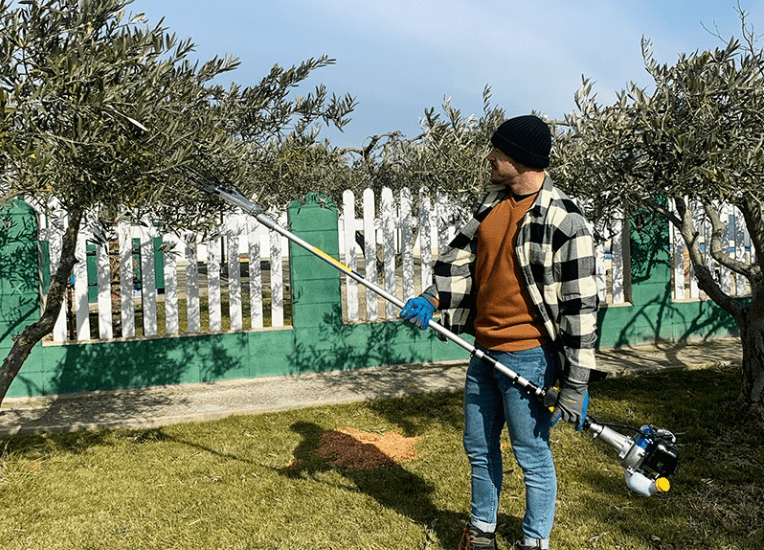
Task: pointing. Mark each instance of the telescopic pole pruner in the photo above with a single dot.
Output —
(646, 458)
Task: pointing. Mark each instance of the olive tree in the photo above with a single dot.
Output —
(450, 155)
(106, 115)
(283, 137)
(447, 157)
(682, 151)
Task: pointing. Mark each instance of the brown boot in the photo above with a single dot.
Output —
(475, 539)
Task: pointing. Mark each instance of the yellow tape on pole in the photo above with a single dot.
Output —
(330, 259)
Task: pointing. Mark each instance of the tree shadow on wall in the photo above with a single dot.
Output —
(661, 316)
(19, 297)
(341, 346)
(655, 316)
(343, 352)
(139, 363)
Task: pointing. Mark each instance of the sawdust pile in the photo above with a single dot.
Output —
(363, 451)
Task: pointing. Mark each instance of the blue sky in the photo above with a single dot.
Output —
(398, 58)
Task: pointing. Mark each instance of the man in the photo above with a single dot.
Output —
(520, 277)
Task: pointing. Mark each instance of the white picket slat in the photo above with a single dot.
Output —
(213, 285)
(739, 254)
(425, 238)
(277, 280)
(388, 247)
(752, 253)
(351, 254)
(370, 252)
(444, 232)
(694, 289)
(707, 235)
(600, 272)
(148, 281)
(193, 305)
(696, 209)
(616, 261)
(255, 277)
(127, 287)
(55, 241)
(171, 308)
(81, 306)
(407, 244)
(727, 242)
(234, 276)
(678, 261)
(103, 276)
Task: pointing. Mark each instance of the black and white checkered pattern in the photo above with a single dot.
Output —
(555, 250)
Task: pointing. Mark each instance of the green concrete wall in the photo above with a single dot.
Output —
(652, 315)
(19, 291)
(318, 340)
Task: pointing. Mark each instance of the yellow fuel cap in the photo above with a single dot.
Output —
(662, 484)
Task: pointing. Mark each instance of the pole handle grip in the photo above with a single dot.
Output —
(550, 397)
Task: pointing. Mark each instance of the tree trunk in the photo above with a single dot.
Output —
(32, 334)
(752, 336)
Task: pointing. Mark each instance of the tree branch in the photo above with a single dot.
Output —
(752, 209)
(690, 234)
(662, 210)
(717, 250)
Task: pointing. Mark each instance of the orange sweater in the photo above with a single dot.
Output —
(506, 317)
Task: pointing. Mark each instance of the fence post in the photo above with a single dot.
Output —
(19, 290)
(651, 266)
(316, 296)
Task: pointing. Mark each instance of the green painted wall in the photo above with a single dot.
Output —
(652, 315)
(19, 293)
(318, 341)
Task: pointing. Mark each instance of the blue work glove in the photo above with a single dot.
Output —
(571, 404)
(418, 311)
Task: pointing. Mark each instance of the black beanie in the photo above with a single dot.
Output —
(524, 139)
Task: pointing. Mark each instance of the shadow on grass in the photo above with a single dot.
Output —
(711, 503)
(393, 486)
(714, 502)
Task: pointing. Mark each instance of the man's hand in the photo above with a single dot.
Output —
(572, 403)
(418, 311)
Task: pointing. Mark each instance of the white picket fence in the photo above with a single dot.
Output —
(247, 266)
(685, 284)
(401, 239)
(409, 244)
(193, 274)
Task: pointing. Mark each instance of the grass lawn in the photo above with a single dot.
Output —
(255, 482)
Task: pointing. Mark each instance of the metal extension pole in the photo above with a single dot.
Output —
(234, 197)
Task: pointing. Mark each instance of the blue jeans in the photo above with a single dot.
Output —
(490, 401)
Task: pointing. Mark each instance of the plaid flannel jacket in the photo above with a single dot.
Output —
(555, 250)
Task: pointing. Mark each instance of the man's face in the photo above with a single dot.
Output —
(504, 170)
